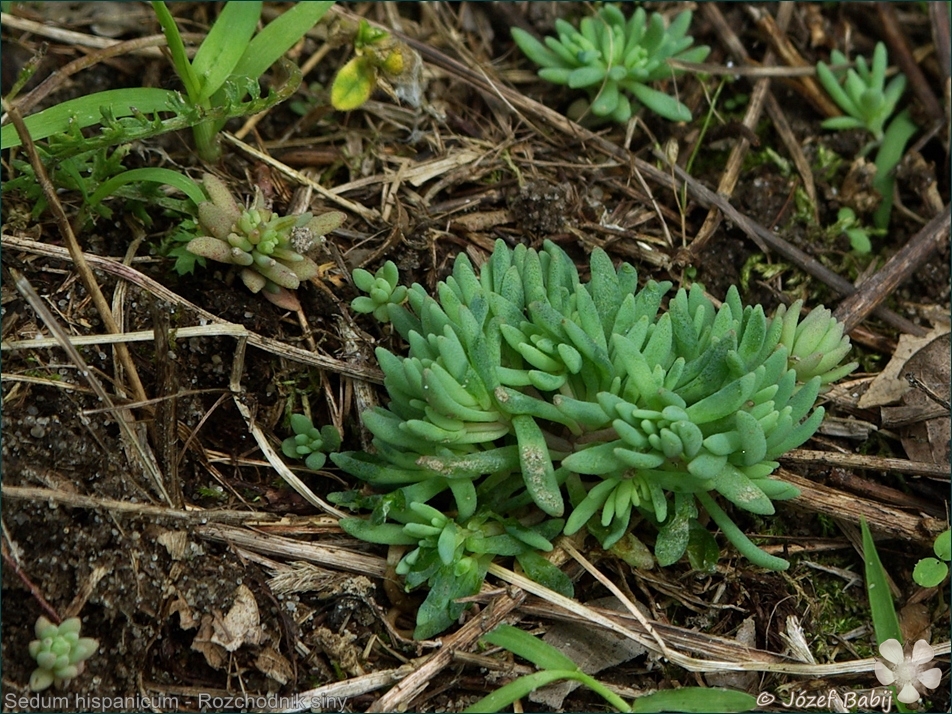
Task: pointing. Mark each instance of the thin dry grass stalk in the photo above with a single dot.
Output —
(276, 347)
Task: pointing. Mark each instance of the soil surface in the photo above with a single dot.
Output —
(215, 591)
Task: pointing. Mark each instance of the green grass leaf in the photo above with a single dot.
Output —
(155, 175)
(177, 50)
(529, 647)
(881, 605)
(695, 699)
(278, 36)
(519, 689)
(224, 46)
(87, 111)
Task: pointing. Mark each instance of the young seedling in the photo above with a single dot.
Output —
(615, 60)
(382, 290)
(310, 443)
(930, 572)
(868, 103)
(60, 653)
(225, 69)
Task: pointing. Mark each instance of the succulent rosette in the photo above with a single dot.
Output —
(309, 442)
(615, 60)
(531, 395)
(60, 653)
(382, 290)
(264, 245)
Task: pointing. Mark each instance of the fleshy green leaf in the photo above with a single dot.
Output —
(661, 103)
(943, 545)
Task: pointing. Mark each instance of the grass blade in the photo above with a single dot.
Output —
(87, 111)
(279, 36)
(520, 688)
(177, 49)
(521, 643)
(881, 604)
(156, 175)
(225, 45)
(695, 699)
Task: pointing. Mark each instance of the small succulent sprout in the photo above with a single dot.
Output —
(868, 102)
(816, 345)
(60, 653)
(382, 290)
(862, 92)
(615, 60)
(452, 555)
(310, 443)
(267, 247)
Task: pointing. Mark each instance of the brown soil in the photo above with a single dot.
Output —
(163, 588)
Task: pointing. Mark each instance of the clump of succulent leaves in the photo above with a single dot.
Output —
(267, 247)
(532, 403)
(309, 442)
(868, 102)
(60, 653)
(614, 60)
(382, 289)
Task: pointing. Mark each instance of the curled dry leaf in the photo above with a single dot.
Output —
(241, 625)
(928, 370)
(917, 377)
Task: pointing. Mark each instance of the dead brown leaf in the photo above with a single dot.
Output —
(890, 385)
(214, 653)
(275, 665)
(928, 370)
(241, 625)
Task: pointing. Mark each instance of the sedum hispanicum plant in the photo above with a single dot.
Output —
(532, 397)
(309, 442)
(60, 653)
(615, 60)
(862, 93)
(382, 290)
(267, 247)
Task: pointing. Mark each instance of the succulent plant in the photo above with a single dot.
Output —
(382, 289)
(451, 555)
(862, 93)
(612, 58)
(869, 102)
(310, 443)
(266, 246)
(60, 653)
(524, 385)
